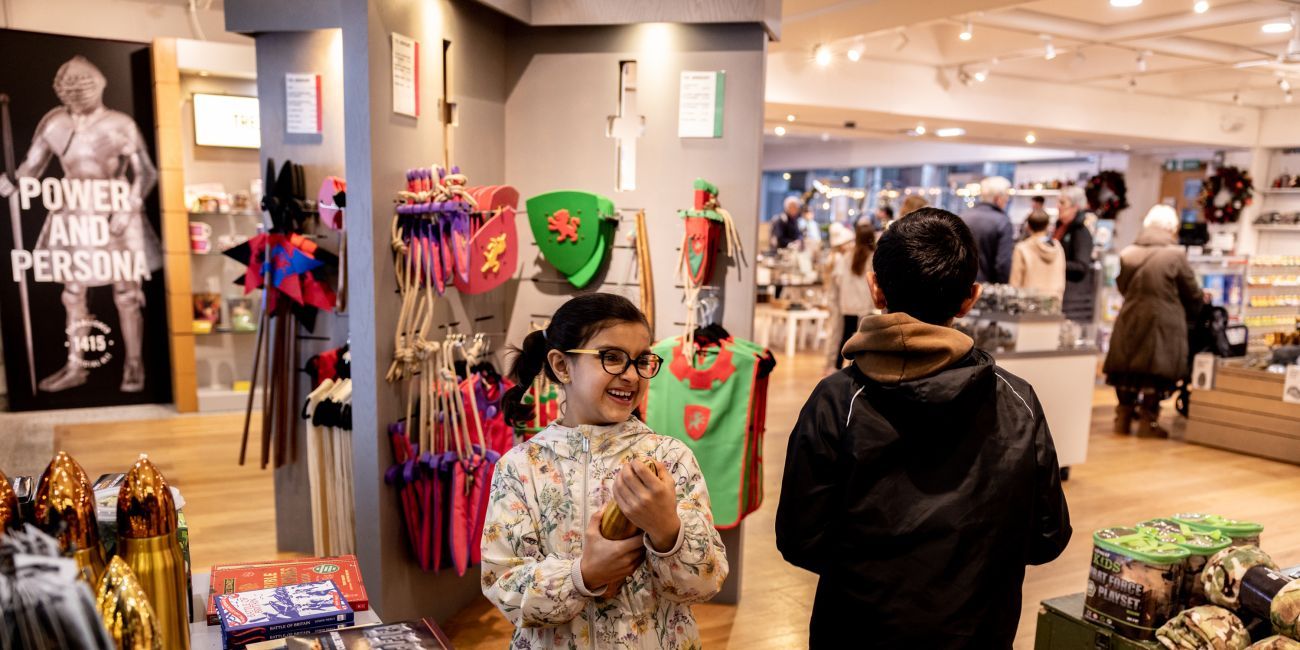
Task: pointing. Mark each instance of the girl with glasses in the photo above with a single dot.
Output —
(546, 564)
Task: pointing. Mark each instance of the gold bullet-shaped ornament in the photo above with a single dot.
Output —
(125, 610)
(65, 510)
(10, 517)
(615, 525)
(147, 542)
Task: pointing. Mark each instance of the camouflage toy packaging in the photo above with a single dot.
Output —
(1204, 628)
(1134, 583)
(1223, 574)
(1276, 643)
(1284, 612)
(1243, 533)
(1201, 546)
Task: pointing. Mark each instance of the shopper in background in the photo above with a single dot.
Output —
(922, 479)
(811, 230)
(883, 217)
(546, 565)
(1076, 239)
(849, 288)
(841, 246)
(911, 204)
(1148, 350)
(991, 227)
(1038, 262)
(785, 226)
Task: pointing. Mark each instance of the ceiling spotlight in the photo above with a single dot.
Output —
(854, 54)
(822, 55)
(967, 31)
(951, 132)
(1127, 147)
(1276, 28)
(1049, 52)
(920, 129)
(780, 130)
(1030, 138)
(1142, 61)
(901, 40)
(204, 73)
(826, 137)
(1201, 6)
(785, 176)
(1284, 85)
(981, 75)
(845, 179)
(1125, 3)
(789, 118)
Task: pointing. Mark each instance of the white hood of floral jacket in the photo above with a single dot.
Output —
(533, 537)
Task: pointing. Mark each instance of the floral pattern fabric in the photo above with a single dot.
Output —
(532, 543)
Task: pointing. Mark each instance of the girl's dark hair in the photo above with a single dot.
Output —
(864, 246)
(572, 325)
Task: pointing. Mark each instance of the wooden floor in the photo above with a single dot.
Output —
(231, 509)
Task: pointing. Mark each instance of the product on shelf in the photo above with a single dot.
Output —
(494, 240)
(613, 523)
(1206, 626)
(1275, 260)
(65, 508)
(1243, 533)
(343, 571)
(423, 634)
(1276, 218)
(1200, 546)
(125, 610)
(147, 541)
(1134, 583)
(10, 517)
(252, 616)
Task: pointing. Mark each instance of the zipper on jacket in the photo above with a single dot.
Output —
(586, 470)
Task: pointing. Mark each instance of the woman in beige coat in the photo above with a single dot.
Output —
(1038, 261)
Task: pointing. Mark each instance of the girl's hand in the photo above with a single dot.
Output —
(606, 562)
(649, 501)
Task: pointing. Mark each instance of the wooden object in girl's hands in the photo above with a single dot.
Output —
(614, 525)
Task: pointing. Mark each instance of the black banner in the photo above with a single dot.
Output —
(82, 303)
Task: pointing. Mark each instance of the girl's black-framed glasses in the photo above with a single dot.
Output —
(616, 361)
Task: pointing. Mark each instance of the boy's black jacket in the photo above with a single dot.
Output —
(919, 503)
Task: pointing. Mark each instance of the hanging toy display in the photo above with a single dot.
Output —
(715, 401)
(707, 225)
(445, 233)
(295, 275)
(330, 203)
(574, 230)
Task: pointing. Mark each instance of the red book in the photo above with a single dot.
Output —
(343, 571)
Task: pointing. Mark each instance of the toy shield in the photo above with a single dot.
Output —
(493, 254)
(702, 236)
(567, 228)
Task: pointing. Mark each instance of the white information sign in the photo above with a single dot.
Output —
(1291, 390)
(699, 111)
(406, 75)
(302, 103)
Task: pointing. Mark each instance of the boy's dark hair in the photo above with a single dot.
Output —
(925, 265)
(887, 209)
(572, 325)
(1038, 201)
(1037, 221)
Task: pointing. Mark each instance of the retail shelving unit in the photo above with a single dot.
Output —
(1272, 296)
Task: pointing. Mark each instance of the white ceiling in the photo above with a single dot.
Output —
(1221, 55)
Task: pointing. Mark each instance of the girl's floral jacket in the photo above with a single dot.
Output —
(544, 492)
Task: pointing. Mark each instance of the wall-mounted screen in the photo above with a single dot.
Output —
(226, 121)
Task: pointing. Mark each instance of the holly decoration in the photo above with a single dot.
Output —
(1107, 194)
(1225, 194)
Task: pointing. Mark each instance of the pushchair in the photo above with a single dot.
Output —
(1206, 332)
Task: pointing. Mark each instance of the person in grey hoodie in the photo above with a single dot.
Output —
(1038, 262)
(994, 235)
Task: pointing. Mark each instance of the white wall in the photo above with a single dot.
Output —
(895, 153)
(126, 20)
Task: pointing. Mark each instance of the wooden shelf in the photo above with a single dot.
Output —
(1285, 227)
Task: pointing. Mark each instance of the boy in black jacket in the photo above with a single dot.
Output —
(922, 479)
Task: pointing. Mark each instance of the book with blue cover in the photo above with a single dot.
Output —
(265, 614)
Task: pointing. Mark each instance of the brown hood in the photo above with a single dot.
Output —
(1048, 250)
(896, 347)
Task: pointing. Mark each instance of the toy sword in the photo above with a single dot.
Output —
(15, 220)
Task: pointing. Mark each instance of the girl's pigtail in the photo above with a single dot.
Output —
(529, 361)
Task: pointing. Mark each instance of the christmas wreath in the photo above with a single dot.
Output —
(1107, 194)
(1225, 194)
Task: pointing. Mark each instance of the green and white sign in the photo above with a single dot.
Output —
(700, 104)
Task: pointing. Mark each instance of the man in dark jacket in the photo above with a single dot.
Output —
(991, 227)
(920, 481)
(785, 226)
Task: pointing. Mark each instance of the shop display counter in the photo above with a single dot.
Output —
(1061, 627)
(1064, 381)
(1243, 411)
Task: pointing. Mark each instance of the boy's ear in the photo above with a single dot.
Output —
(966, 305)
(876, 294)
